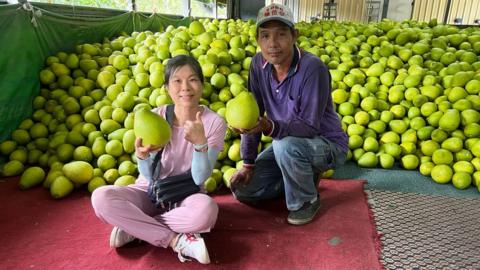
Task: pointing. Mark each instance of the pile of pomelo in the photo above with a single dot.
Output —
(406, 92)
(81, 132)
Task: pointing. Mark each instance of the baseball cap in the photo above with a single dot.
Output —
(275, 12)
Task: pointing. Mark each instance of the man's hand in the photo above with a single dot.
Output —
(142, 152)
(242, 176)
(264, 125)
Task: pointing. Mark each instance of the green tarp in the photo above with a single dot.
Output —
(29, 34)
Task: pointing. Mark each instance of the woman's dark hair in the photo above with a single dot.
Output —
(179, 61)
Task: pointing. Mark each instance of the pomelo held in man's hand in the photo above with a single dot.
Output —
(153, 129)
(242, 112)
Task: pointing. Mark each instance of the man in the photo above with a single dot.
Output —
(293, 89)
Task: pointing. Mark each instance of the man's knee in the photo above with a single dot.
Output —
(290, 149)
(287, 144)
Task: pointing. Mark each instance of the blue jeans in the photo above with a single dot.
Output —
(291, 166)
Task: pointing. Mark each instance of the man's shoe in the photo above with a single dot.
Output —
(192, 246)
(119, 238)
(305, 214)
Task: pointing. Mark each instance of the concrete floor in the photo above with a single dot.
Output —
(398, 179)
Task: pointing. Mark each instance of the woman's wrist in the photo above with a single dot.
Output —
(201, 147)
(141, 156)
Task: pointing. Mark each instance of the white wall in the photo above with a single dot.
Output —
(399, 10)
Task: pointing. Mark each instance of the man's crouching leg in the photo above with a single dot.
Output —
(266, 182)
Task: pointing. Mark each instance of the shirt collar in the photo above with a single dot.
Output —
(297, 54)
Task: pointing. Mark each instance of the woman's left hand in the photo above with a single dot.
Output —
(194, 131)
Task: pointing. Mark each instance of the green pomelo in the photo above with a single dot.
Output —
(125, 180)
(368, 160)
(450, 120)
(83, 153)
(79, 172)
(461, 180)
(128, 141)
(210, 184)
(386, 161)
(452, 144)
(114, 148)
(95, 183)
(242, 112)
(61, 187)
(442, 156)
(105, 79)
(227, 175)
(151, 128)
(111, 175)
(127, 168)
(426, 168)
(31, 177)
(442, 174)
(410, 162)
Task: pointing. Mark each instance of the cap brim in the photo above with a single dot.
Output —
(273, 18)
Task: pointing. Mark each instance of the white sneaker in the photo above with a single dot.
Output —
(119, 238)
(192, 245)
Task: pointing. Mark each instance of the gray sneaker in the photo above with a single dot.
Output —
(305, 214)
(119, 238)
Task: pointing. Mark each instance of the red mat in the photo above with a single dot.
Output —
(38, 232)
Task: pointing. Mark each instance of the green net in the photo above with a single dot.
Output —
(29, 34)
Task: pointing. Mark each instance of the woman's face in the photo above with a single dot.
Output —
(185, 87)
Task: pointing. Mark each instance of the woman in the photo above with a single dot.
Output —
(197, 138)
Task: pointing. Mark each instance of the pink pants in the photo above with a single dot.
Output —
(130, 209)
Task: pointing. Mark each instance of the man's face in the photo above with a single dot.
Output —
(276, 40)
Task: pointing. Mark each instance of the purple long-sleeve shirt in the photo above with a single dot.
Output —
(301, 105)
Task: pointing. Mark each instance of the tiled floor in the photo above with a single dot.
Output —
(427, 232)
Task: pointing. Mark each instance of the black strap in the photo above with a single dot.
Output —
(169, 114)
